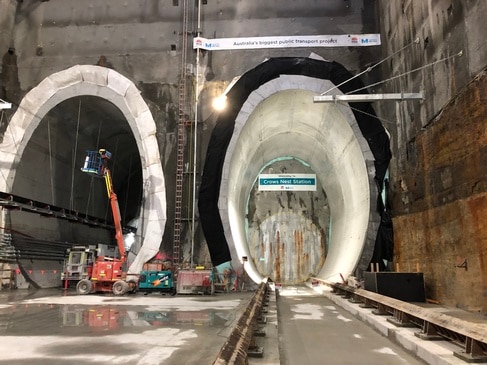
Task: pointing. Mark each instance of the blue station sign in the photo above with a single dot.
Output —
(294, 182)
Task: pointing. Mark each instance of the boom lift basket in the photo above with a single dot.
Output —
(94, 162)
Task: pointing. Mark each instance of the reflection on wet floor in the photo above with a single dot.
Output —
(110, 318)
(21, 318)
(58, 327)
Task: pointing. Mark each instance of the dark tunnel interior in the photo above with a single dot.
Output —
(56, 151)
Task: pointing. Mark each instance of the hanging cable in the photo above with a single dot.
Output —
(71, 199)
(114, 164)
(364, 112)
(92, 181)
(416, 41)
(50, 159)
(190, 164)
(459, 54)
(127, 192)
(98, 137)
(3, 176)
(108, 210)
(13, 138)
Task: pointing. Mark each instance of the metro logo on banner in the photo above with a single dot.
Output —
(294, 182)
(343, 40)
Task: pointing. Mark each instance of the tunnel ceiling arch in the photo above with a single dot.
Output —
(120, 91)
(253, 87)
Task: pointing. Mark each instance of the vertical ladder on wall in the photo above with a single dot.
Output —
(182, 116)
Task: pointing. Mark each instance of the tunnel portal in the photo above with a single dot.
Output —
(105, 96)
(288, 230)
(271, 115)
(58, 148)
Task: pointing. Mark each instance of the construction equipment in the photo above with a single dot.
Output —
(195, 281)
(109, 273)
(157, 276)
(79, 262)
(78, 265)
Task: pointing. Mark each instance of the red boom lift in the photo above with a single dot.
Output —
(109, 273)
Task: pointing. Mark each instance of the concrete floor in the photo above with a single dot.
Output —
(303, 327)
(51, 327)
(316, 331)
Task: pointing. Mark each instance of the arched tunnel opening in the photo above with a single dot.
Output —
(49, 171)
(43, 149)
(287, 230)
(57, 149)
(289, 123)
(271, 115)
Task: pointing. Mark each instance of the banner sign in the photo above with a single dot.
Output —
(295, 182)
(344, 40)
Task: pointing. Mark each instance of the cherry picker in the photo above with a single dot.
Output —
(109, 273)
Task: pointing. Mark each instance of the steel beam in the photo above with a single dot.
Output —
(472, 336)
(367, 97)
(15, 202)
(5, 105)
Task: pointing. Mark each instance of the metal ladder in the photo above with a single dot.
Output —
(181, 139)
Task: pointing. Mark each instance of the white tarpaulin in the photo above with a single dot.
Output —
(344, 40)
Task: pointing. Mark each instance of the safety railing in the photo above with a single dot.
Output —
(470, 336)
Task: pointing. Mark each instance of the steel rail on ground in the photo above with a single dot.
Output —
(471, 336)
(240, 343)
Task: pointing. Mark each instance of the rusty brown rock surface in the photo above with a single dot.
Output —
(440, 203)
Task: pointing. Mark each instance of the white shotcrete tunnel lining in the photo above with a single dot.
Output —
(280, 119)
(112, 86)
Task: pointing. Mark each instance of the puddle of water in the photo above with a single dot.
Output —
(39, 319)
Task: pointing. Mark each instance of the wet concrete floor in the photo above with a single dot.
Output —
(316, 331)
(57, 327)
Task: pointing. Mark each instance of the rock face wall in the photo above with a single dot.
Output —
(440, 206)
(438, 176)
(288, 230)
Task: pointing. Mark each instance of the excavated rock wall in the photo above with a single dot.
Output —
(438, 172)
(441, 204)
